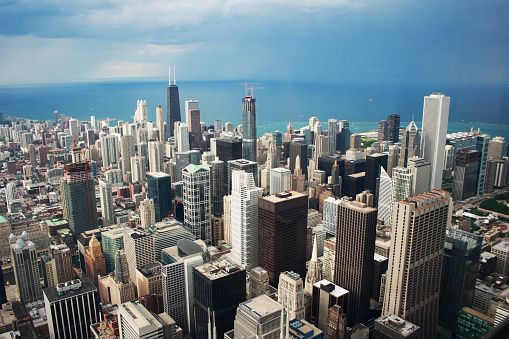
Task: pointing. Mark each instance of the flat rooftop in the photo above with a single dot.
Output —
(283, 196)
(261, 306)
(336, 292)
(218, 269)
(86, 287)
(397, 324)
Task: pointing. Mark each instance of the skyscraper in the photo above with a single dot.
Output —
(138, 168)
(137, 322)
(355, 248)
(291, 294)
(71, 308)
(141, 113)
(373, 164)
(298, 148)
(384, 197)
(280, 180)
(219, 288)
(382, 131)
(496, 148)
(415, 260)
(147, 213)
(332, 131)
(421, 172)
(139, 248)
(172, 105)
(249, 137)
(282, 224)
(258, 317)
(107, 208)
(94, 260)
(466, 172)
(160, 123)
(127, 144)
(159, 190)
(109, 150)
(155, 156)
(244, 209)
(241, 165)
(198, 201)
(435, 118)
(26, 271)
(393, 127)
(78, 197)
(410, 143)
(483, 142)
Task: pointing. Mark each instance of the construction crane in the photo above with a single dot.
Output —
(170, 215)
(250, 86)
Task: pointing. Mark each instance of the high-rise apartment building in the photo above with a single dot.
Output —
(78, 197)
(147, 213)
(412, 286)
(155, 156)
(26, 271)
(127, 143)
(382, 131)
(244, 210)
(355, 247)
(496, 148)
(71, 308)
(393, 127)
(107, 209)
(249, 137)
(172, 105)
(282, 233)
(109, 149)
(219, 288)
(160, 123)
(198, 201)
(138, 168)
(332, 132)
(435, 118)
(159, 190)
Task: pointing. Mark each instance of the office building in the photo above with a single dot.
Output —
(159, 190)
(160, 123)
(141, 113)
(249, 136)
(71, 308)
(329, 258)
(332, 132)
(219, 186)
(219, 288)
(172, 105)
(259, 317)
(282, 229)
(258, 282)
(373, 164)
(449, 154)
(421, 174)
(107, 209)
(326, 295)
(182, 137)
(137, 322)
(390, 326)
(109, 149)
(355, 247)
(178, 282)
(291, 294)
(299, 179)
(385, 189)
(244, 222)
(26, 271)
(194, 127)
(496, 148)
(393, 127)
(393, 159)
(112, 240)
(78, 197)
(330, 215)
(155, 156)
(459, 273)
(482, 145)
(139, 248)
(147, 213)
(197, 201)
(168, 234)
(473, 324)
(335, 327)
(149, 280)
(299, 149)
(466, 173)
(94, 260)
(280, 180)
(415, 261)
(435, 118)
(241, 165)
(229, 149)
(501, 250)
(138, 168)
(410, 144)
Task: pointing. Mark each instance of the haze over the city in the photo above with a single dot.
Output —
(346, 41)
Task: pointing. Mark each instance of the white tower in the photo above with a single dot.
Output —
(108, 211)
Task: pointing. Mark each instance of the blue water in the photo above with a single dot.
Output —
(485, 107)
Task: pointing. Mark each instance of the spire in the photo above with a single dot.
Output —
(314, 273)
(169, 75)
(314, 256)
(297, 162)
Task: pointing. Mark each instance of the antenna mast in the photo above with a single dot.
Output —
(174, 79)
(169, 75)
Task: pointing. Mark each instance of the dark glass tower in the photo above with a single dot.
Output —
(373, 164)
(172, 105)
(159, 190)
(249, 137)
(393, 127)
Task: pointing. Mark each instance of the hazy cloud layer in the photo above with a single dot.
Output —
(397, 41)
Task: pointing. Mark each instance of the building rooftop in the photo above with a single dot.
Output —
(397, 324)
(140, 315)
(478, 314)
(380, 258)
(303, 329)
(261, 306)
(502, 246)
(218, 269)
(283, 196)
(158, 174)
(85, 286)
(336, 292)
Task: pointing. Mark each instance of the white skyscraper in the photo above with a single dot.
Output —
(138, 168)
(155, 156)
(244, 219)
(197, 201)
(280, 180)
(109, 149)
(92, 122)
(147, 213)
(141, 115)
(160, 122)
(330, 215)
(402, 181)
(108, 211)
(435, 118)
(384, 197)
(421, 172)
(182, 137)
(127, 144)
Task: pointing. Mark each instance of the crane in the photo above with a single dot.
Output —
(250, 86)
(170, 215)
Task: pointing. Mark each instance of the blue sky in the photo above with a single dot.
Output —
(342, 41)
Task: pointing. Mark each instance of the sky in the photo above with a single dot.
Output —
(327, 41)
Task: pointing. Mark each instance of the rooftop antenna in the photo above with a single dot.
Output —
(412, 116)
(169, 75)
(174, 80)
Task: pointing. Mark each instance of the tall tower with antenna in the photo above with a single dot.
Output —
(249, 137)
(172, 104)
